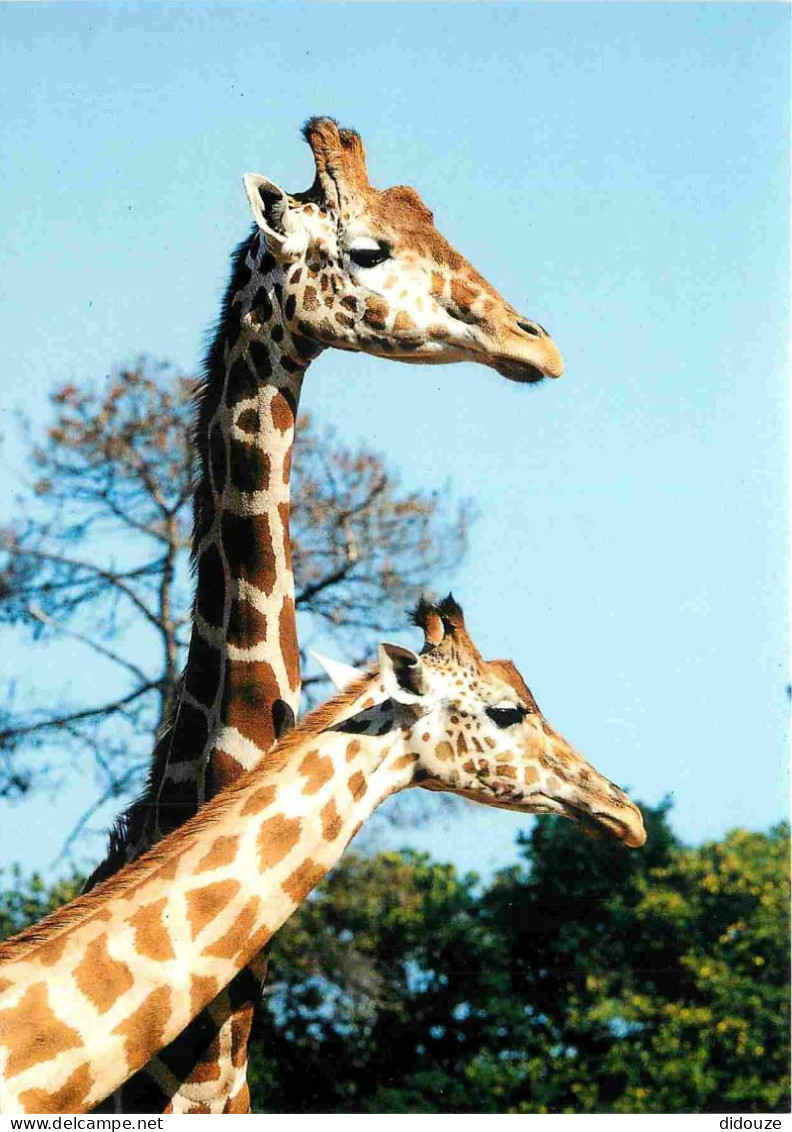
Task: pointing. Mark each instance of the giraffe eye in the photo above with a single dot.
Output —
(507, 715)
(369, 254)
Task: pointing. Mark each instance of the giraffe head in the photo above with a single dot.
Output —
(366, 270)
(477, 731)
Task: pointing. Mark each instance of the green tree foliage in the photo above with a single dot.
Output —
(25, 900)
(584, 979)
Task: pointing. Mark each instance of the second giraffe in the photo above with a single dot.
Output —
(341, 265)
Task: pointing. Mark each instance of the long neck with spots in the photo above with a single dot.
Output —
(89, 995)
(241, 687)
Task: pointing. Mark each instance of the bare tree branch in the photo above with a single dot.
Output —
(114, 471)
(12, 734)
(39, 615)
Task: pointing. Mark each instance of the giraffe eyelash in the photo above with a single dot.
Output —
(507, 715)
(370, 253)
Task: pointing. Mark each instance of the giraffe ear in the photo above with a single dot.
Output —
(273, 213)
(403, 674)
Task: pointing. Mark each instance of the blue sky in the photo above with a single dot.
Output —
(620, 173)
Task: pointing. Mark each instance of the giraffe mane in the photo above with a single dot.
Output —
(79, 910)
(210, 387)
(207, 392)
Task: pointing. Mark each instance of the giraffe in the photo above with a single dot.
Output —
(94, 990)
(343, 266)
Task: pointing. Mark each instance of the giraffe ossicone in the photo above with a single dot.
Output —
(342, 265)
(392, 285)
(96, 989)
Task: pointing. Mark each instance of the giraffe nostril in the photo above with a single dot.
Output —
(532, 328)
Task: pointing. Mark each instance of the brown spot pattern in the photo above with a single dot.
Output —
(352, 750)
(250, 689)
(144, 1030)
(38, 1035)
(100, 977)
(282, 413)
(287, 633)
(531, 775)
(223, 770)
(277, 837)
(249, 422)
(251, 468)
(247, 625)
(236, 938)
(405, 760)
(357, 785)
(259, 800)
(222, 852)
(304, 878)
(240, 1102)
(317, 769)
(70, 1097)
(247, 540)
(243, 1023)
(331, 821)
(205, 904)
(505, 771)
(377, 309)
(462, 293)
(283, 515)
(203, 989)
(444, 751)
(151, 936)
(49, 953)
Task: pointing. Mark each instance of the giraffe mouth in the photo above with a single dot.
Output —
(525, 358)
(522, 372)
(624, 821)
(625, 826)
(597, 826)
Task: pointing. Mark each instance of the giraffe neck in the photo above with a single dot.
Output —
(94, 991)
(241, 687)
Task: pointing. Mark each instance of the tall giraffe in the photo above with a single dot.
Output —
(91, 993)
(342, 265)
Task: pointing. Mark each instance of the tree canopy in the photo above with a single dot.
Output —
(584, 979)
(94, 569)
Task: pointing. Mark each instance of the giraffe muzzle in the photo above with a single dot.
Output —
(526, 353)
(620, 819)
(600, 808)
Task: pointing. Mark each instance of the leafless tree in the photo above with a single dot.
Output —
(95, 581)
